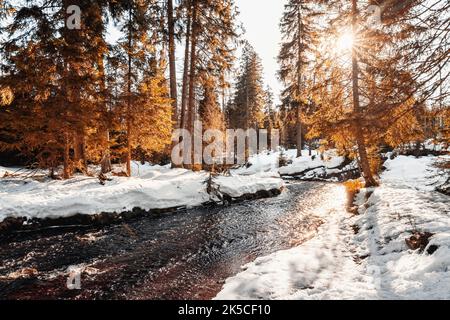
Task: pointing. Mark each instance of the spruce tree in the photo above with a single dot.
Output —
(247, 107)
(57, 66)
(298, 30)
(143, 99)
(210, 37)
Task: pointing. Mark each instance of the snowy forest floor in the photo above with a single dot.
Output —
(30, 194)
(365, 256)
(149, 188)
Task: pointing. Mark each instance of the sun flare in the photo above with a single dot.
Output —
(345, 41)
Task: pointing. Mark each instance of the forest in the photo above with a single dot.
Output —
(70, 98)
(147, 153)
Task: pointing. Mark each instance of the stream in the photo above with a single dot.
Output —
(185, 255)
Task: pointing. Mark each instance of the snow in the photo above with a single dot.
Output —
(264, 162)
(331, 160)
(286, 274)
(316, 167)
(416, 173)
(236, 186)
(432, 145)
(150, 187)
(374, 263)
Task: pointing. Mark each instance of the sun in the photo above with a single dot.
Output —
(345, 41)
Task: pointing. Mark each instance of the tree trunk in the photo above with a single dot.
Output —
(247, 119)
(284, 130)
(299, 140)
(128, 121)
(106, 154)
(192, 82)
(66, 157)
(186, 71)
(172, 67)
(359, 134)
(105, 163)
(80, 151)
(129, 148)
(65, 131)
(192, 76)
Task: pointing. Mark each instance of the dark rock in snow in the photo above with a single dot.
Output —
(432, 249)
(11, 224)
(356, 228)
(419, 240)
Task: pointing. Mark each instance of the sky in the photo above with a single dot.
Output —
(261, 20)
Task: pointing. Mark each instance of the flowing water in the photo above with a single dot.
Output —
(186, 255)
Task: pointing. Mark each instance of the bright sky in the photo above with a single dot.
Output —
(261, 19)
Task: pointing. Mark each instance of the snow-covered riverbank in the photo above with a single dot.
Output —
(365, 256)
(311, 166)
(150, 187)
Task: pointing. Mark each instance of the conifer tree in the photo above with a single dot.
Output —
(298, 30)
(69, 92)
(210, 36)
(247, 107)
(143, 99)
(58, 65)
(384, 90)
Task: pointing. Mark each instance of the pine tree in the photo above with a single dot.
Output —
(210, 35)
(143, 99)
(70, 92)
(56, 99)
(298, 30)
(247, 108)
(384, 90)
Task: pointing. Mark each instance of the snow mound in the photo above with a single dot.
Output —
(150, 187)
(318, 166)
(412, 172)
(308, 166)
(436, 146)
